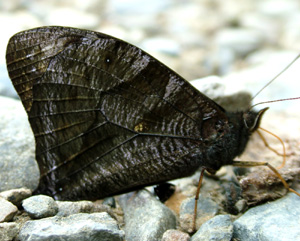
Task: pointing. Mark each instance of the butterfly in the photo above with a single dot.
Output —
(109, 118)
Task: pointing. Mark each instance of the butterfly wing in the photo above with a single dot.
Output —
(106, 116)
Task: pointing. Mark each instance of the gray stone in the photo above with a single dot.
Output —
(6, 87)
(18, 167)
(265, 65)
(240, 41)
(173, 234)
(16, 196)
(146, 218)
(76, 18)
(278, 8)
(278, 220)
(161, 45)
(66, 208)
(109, 201)
(7, 210)
(40, 206)
(214, 88)
(82, 226)
(137, 7)
(206, 210)
(218, 228)
(8, 231)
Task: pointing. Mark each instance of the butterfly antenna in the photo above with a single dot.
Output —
(289, 65)
(272, 101)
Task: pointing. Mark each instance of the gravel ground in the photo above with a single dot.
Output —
(244, 44)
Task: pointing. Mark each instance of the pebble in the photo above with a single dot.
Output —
(75, 18)
(17, 148)
(173, 234)
(161, 45)
(239, 41)
(7, 210)
(82, 226)
(265, 65)
(214, 88)
(8, 231)
(206, 210)
(40, 206)
(219, 227)
(146, 218)
(16, 196)
(66, 208)
(6, 88)
(278, 220)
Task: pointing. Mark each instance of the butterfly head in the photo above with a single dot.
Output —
(252, 119)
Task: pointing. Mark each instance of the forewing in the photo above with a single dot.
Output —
(107, 117)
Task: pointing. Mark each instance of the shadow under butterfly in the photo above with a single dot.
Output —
(108, 118)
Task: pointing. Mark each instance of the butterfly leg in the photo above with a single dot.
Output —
(197, 197)
(253, 164)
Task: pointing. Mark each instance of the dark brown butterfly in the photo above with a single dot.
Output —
(109, 118)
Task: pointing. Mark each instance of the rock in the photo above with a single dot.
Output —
(218, 228)
(265, 66)
(16, 196)
(214, 88)
(66, 208)
(7, 210)
(146, 218)
(162, 45)
(18, 167)
(206, 210)
(278, 8)
(137, 8)
(76, 18)
(40, 206)
(173, 234)
(82, 226)
(8, 231)
(6, 87)
(239, 41)
(278, 220)
(109, 201)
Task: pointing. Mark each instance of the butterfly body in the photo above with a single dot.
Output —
(109, 118)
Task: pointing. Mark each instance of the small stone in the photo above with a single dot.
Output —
(16, 196)
(278, 8)
(162, 45)
(18, 167)
(40, 206)
(146, 218)
(239, 41)
(7, 210)
(76, 18)
(66, 208)
(6, 87)
(173, 234)
(241, 205)
(110, 201)
(82, 226)
(214, 88)
(8, 231)
(218, 228)
(278, 220)
(206, 210)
